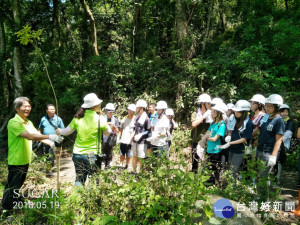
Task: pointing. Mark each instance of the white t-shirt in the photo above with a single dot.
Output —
(127, 127)
(160, 125)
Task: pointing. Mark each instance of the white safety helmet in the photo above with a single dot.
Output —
(216, 101)
(161, 105)
(258, 98)
(131, 107)
(230, 106)
(242, 105)
(169, 112)
(141, 103)
(204, 98)
(284, 106)
(274, 99)
(110, 107)
(221, 107)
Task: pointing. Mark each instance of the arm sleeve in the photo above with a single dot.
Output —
(73, 124)
(117, 124)
(222, 130)
(248, 131)
(287, 135)
(66, 131)
(280, 127)
(15, 128)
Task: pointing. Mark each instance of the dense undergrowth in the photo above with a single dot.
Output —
(164, 192)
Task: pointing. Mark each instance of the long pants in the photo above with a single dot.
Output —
(15, 180)
(108, 151)
(48, 150)
(264, 173)
(195, 157)
(83, 168)
(235, 160)
(215, 161)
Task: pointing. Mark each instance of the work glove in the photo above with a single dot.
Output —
(207, 113)
(272, 160)
(228, 139)
(207, 135)
(55, 138)
(200, 152)
(138, 137)
(223, 146)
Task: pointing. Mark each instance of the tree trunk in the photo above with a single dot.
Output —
(136, 28)
(286, 5)
(2, 39)
(56, 37)
(93, 26)
(17, 51)
(207, 28)
(187, 46)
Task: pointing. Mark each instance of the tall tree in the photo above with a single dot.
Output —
(56, 36)
(91, 19)
(17, 50)
(185, 40)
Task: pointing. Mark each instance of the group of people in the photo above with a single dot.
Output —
(233, 132)
(219, 131)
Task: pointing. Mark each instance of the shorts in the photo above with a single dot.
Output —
(138, 150)
(125, 149)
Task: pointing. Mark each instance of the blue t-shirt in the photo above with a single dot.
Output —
(268, 130)
(47, 127)
(216, 129)
(152, 118)
(236, 135)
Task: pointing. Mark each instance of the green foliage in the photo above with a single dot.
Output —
(26, 35)
(137, 199)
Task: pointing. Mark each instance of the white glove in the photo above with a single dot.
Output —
(207, 113)
(272, 160)
(228, 139)
(150, 139)
(56, 138)
(138, 137)
(53, 147)
(223, 146)
(200, 152)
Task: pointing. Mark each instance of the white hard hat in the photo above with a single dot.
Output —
(204, 98)
(284, 106)
(221, 107)
(230, 106)
(169, 112)
(90, 100)
(258, 98)
(161, 105)
(216, 101)
(242, 105)
(141, 103)
(274, 99)
(131, 107)
(110, 107)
